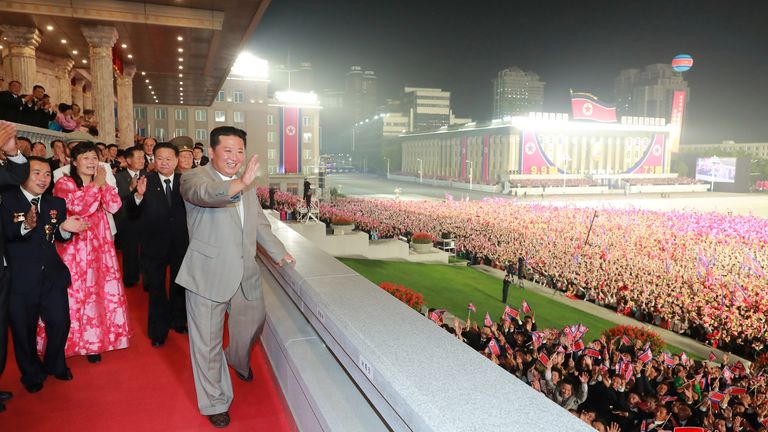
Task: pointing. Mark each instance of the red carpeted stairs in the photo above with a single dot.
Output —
(139, 389)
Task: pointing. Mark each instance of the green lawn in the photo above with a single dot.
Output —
(453, 287)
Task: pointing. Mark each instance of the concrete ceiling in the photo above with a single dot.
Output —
(212, 34)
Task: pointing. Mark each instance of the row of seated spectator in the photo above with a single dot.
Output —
(662, 181)
(36, 109)
(537, 182)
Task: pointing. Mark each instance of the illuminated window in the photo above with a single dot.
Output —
(219, 116)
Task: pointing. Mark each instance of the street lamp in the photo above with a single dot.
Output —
(715, 161)
(471, 166)
(421, 171)
(387, 167)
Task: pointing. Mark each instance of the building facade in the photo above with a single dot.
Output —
(539, 144)
(283, 131)
(516, 92)
(361, 96)
(427, 108)
(648, 92)
(753, 150)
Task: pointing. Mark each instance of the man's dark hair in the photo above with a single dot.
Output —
(148, 138)
(111, 146)
(165, 145)
(198, 145)
(38, 159)
(130, 152)
(23, 138)
(80, 148)
(226, 131)
(36, 143)
(13, 81)
(101, 144)
(55, 141)
(38, 86)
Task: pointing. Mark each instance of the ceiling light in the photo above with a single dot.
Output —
(1, 47)
(63, 41)
(124, 45)
(130, 55)
(74, 52)
(181, 75)
(143, 73)
(181, 67)
(181, 88)
(153, 92)
(49, 28)
(181, 59)
(84, 61)
(181, 94)
(181, 49)
(146, 80)
(179, 38)
(150, 87)
(181, 82)
(181, 102)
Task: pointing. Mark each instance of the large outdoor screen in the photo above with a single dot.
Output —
(714, 169)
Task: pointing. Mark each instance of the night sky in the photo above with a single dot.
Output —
(460, 46)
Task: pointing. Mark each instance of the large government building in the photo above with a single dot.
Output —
(539, 144)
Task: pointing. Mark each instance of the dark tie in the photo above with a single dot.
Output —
(168, 191)
(35, 201)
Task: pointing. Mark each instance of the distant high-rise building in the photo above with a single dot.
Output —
(648, 92)
(427, 108)
(290, 77)
(361, 94)
(516, 92)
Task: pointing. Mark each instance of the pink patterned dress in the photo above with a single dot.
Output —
(97, 305)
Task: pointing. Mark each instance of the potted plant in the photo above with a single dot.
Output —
(342, 224)
(422, 241)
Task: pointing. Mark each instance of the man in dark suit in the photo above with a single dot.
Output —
(12, 173)
(39, 279)
(198, 158)
(11, 102)
(148, 145)
(162, 222)
(127, 229)
(37, 109)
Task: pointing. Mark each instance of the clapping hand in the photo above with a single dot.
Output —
(101, 176)
(75, 224)
(141, 186)
(8, 138)
(30, 219)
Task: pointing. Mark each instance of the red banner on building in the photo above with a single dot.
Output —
(290, 141)
(463, 157)
(532, 158)
(486, 151)
(652, 161)
(678, 106)
(587, 107)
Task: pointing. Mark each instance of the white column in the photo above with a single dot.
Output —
(77, 92)
(22, 45)
(87, 97)
(125, 106)
(101, 39)
(63, 69)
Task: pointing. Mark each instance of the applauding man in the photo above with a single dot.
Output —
(31, 222)
(220, 271)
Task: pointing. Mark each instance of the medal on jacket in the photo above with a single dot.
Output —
(53, 214)
(19, 217)
(49, 229)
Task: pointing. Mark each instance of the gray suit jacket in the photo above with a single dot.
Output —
(222, 252)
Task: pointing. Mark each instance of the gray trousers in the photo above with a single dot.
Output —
(205, 319)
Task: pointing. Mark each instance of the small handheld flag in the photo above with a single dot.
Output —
(712, 356)
(544, 359)
(488, 322)
(646, 356)
(493, 347)
(526, 308)
(471, 307)
(625, 340)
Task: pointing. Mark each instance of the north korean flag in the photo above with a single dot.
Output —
(526, 307)
(493, 347)
(646, 356)
(544, 359)
(586, 106)
(488, 321)
(592, 352)
(690, 429)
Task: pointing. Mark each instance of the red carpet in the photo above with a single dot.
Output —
(139, 389)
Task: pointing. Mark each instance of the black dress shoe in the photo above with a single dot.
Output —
(181, 330)
(94, 358)
(33, 388)
(5, 395)
(157, 343)
(220, 420)
(248, 378)
(66, 376)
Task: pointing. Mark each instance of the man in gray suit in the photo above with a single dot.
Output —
(219, 270)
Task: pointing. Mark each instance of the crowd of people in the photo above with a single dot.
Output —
(62, 291)
(619, 385)
(700, 274)
(36, 109)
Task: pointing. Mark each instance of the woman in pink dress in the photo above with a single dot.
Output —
(97, 304)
